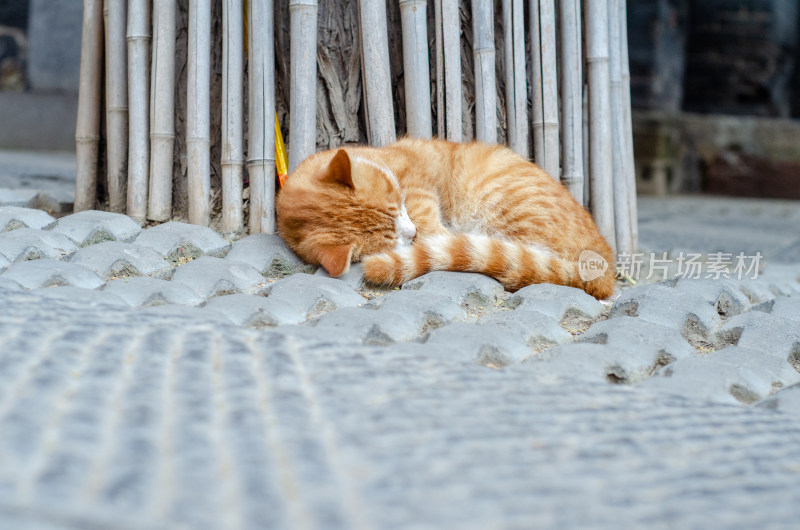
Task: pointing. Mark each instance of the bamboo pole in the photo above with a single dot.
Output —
(413, 14)
(198, 129)
(261, 116)
(441, 131)
(162, 115)
(303, 92)
(232, 114)
(377, 77)
(87, 128)
(448, 69)
(484, 58)
(622, 221)
(116, 105)
(587, 196)
(138, 123)
(516, 100)
(537, 96)
(628, 125)
(545, 87)
(600, 155)
(571, 99)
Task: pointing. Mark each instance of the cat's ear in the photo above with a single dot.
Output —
(339, 169)
(335, 259)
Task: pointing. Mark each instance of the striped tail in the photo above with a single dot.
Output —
(512, 263)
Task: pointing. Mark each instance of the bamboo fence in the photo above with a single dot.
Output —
(198, 119)
(138, 107)
(116, 106)
(376, 75)
(600, 148)
(416, 67)
(578, 128)
(627, 123)
(87, 128)
(516, 90)
(483, 54)
(261, 103)
(448, 69)
(622, 224)
(232, 114)
(545, 86)
(571, 78)
(303, 92)
(162, 101)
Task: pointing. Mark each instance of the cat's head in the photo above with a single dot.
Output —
(336, 208)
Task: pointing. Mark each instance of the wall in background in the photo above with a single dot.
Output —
(39, 65)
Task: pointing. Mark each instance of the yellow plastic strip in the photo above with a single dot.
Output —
(281, 160)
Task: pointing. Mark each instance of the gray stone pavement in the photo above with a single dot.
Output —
(44, 180)
(169, 378)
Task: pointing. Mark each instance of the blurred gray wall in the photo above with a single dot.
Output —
(39, 111)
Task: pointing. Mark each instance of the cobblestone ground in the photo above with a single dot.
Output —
(166, 378)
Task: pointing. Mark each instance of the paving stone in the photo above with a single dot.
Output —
(687, 312)
(426, 310)
(255, 311)
(92, 226)
(367, 326)
(788, 308)
(734, 375)
(51, 201)
(646, 337)
(183, 313)
(761, 331)
(586, 361)
(786, 400)
(29, 244)
(13, 218)
(313, 295)
(17, 198)
(367, 436)
(723, 294)
(113, 259)
(8, 284)
(86, 297)
(570, 306)
(50, 272)
(536, 330)
(302, 333)
(179, 242)
(490, 345)
(757, 292)
(269, 254)
(473, 291)
(781, 279)
(210, 276)
(144, 291)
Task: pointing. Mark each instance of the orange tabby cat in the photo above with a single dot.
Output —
(422, 205)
